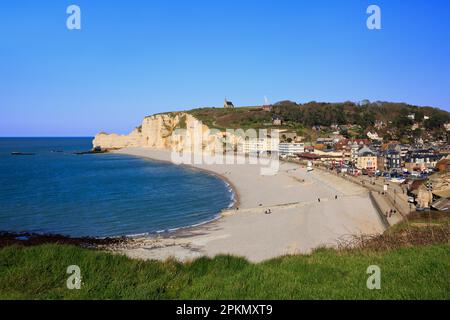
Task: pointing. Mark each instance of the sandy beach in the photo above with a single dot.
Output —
(298, 223)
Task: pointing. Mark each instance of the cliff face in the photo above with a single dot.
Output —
(160, 131)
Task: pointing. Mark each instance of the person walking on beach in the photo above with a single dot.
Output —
(318, 199)
(335, 197)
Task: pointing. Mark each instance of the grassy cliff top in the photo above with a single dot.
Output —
(243, 117)
(414, 261)
(406, 273)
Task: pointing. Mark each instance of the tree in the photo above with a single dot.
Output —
(435, 122)
(345, 133)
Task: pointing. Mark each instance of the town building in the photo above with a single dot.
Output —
(404, 149)
(434, 192)
(354, 152)
(325, 141)
(259, 145)
(374, 136)
(389, 160)
(308, 156)
(336, 137)
(376, 145)
(320, 147)
(330, 156)
(367, 159)
(344, 143)
(421, 160)
(381, 161)
(350, 148)
(447, 126)
(309, 149)
(277, 120)
(291, 149)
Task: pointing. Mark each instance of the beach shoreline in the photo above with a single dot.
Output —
(308, 210)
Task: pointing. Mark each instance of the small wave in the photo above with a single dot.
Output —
(138, 235)
(233, 194)
(216, 217)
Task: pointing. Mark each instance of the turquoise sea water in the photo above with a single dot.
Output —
(56, 191)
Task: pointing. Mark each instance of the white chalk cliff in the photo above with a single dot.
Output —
(160, 131)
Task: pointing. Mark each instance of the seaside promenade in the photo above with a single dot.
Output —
(394, 197)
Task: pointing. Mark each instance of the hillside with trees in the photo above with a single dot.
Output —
(391, 120)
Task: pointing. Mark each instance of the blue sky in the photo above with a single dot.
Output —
(135, 58)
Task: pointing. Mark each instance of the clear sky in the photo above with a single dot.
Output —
(135, 58)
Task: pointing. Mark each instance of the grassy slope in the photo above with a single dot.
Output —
(243, 117)
(407, 273)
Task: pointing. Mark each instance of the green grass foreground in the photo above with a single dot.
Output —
(407, 273)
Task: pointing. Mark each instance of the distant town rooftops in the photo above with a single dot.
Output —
(366, 152)
(392, 151)
(351, 142)
(307, 155)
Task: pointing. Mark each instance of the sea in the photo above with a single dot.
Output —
(49, 189)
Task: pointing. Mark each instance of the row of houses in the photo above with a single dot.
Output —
(360, 153)
(390, 160)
